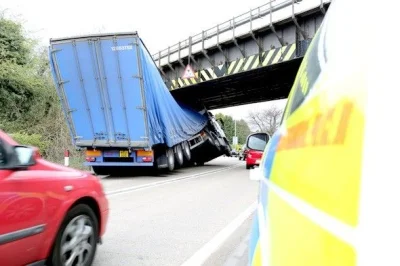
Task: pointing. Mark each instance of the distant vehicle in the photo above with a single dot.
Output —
(255, 145)
(49, 214)
(120, 111)
(234, 153)
(242, 153)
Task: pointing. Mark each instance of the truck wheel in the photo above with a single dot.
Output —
(215, 142)
(186, 151)
(178, 154)
(77, 238)
(170, 159)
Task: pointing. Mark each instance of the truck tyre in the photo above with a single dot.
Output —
(217, 144)
(214, 140)
(170, 159)
(178, 154)
(186, 151)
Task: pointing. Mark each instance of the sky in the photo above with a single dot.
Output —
(159, 23)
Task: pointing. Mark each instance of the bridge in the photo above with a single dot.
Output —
(251, 58)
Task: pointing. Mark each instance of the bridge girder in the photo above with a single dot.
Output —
(243, 59)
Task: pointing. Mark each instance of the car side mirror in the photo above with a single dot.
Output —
(24, 156)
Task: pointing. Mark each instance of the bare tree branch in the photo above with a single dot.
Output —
(266, 120)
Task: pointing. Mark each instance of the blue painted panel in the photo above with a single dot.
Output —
(73, 92)
(123, 85)
(92, 87)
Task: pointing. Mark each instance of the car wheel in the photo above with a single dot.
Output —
(248, 166)
(77, 239)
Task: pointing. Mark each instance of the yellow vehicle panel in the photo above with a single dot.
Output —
(311, 171)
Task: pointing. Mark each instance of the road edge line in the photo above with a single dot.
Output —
(212, 246)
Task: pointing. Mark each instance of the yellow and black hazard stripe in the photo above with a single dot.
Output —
(180, 82)
(278, 55)
(266, 58)
(212, 73)
(244, 64)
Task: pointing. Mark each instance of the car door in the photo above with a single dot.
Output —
(22, 220)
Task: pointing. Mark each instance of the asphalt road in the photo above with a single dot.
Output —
(196, 216)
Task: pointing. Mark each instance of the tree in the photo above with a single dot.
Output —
(14, 46)
(266, 120)
(26, 89)
(228, 125)
(243, 130)
(30, 110)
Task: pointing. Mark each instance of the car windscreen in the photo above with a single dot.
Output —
(257, 142)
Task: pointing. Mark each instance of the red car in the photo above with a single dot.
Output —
(49, 214)
(255, 146)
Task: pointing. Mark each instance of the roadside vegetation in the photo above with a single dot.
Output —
(29, 107)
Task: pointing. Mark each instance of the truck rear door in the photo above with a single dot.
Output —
(99, 81)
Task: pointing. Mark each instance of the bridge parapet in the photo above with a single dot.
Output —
(272, 33)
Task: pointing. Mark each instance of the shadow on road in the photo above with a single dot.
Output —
(129, 172)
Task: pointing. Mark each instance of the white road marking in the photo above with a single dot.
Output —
(212, 246)
(169, 181)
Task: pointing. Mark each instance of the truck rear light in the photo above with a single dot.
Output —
(93, 153)
(90, 159)
(144, 153)
(147, 159)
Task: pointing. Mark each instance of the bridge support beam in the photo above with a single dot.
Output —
(179, 55)
(235, 40)
(271, 26)
(322, 7)
(220, 48)
(169, 64)
(253, 36)
(159, 66)
(204, 51)
(302, 32)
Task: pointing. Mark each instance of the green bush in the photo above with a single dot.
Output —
(29, 106)
(35, 140)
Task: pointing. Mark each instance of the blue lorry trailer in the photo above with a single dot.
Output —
(119, 110)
